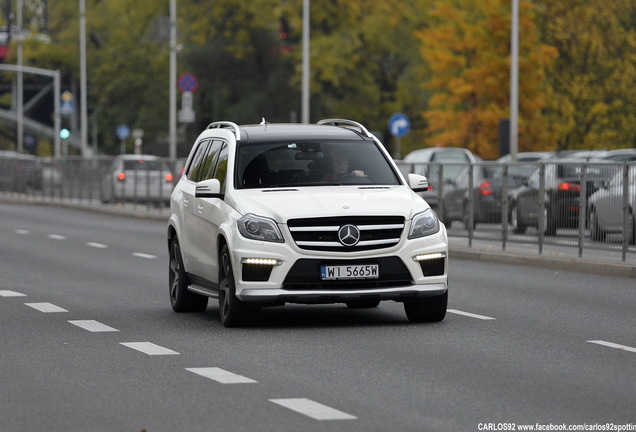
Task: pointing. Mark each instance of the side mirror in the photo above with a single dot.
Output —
(208, 189)
(418, 182)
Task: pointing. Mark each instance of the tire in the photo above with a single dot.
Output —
(431, 309)
(363, 304)
(631, 229)
(232, 311)
(595, 231)
(181, 299)
(517, 226)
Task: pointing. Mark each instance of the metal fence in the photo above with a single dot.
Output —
(99, 181)
(556, 202)
(582, 204)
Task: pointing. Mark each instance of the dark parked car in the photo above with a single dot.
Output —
(559, 207)
(487, 190)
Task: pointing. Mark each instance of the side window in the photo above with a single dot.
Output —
(195, 166)
(209, 161)
(221, 167)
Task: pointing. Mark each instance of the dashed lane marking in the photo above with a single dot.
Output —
(613, 345)
(313, 409)
(220, 375)
(471, 315)
(9, 293)
(56, 237)
(22, 231)
(46, 307)
(96, 245)
(149, 348)
(143, 255)
(93, 326)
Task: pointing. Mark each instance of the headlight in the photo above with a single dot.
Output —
(259, 228)
(424, 224)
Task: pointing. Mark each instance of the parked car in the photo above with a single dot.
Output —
(433, 161)
(559, 207)
(138, 178)
(606, 212)
(288, 213)
(19, 172)
(621, 155)
(487, 191)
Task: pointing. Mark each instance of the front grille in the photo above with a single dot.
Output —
(305, 275)
(321, 234)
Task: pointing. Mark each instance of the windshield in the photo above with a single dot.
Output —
(312, 163)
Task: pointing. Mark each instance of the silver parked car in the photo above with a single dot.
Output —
(606, 211)
(137, 178)
(430, 161)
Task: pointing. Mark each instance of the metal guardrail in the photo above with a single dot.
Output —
(581, 204)
(585, 205)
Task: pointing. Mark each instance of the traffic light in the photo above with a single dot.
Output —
(283, 28)
(65, 133)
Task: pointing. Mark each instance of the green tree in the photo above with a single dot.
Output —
(594, 105)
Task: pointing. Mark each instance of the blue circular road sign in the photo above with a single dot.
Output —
(123, 132)
(399, 125)
(188, 82)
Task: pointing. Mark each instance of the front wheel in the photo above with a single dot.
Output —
(232, 311)
(181, 299)
(430, 309)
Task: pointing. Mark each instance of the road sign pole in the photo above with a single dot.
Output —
(173, 81)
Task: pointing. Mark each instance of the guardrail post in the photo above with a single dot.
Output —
(582, 208)
(471, 205)
(626, 220)
(504, 208)
(541, 207)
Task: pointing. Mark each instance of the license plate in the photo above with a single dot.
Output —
(368, 271)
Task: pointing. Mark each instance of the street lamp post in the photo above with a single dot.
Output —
(173, 81)
(83, 81)
(514, 81)
(305, 73)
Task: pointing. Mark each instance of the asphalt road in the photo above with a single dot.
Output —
(89, 343)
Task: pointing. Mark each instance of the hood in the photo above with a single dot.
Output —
(305, 202)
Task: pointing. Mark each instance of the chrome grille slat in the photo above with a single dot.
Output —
(322, 233)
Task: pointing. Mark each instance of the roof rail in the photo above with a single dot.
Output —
(346, 123)
(226, 124)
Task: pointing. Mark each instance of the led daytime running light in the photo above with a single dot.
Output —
(261, 261)
(428, 257)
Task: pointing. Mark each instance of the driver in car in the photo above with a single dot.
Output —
(339, 168)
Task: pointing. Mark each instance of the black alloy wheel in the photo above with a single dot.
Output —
(232, 311)
(181, 299)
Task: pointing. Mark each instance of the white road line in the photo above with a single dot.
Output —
(313, 409)
(9, 293)
(613, 345)
(96, 245)
(468, 314)
(93, 326)
(46, 307)
(56, 237)
(22, 231)
(220, 375)
(149, 348)
(143, 255)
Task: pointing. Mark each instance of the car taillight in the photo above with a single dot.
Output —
(485, 188)
(570, 187)
(121, 177)
(169, 178)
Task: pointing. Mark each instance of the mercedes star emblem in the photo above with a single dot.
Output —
(349, 235)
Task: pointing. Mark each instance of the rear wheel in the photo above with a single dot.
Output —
(631, 228)
(232, 311)
(430, 309)
(595, 230)
(181, 299)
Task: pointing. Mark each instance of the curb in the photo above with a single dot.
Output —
(564, 264)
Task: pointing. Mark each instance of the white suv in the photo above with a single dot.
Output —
(293, 213)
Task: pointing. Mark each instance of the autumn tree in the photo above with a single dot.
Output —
(466, 48)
